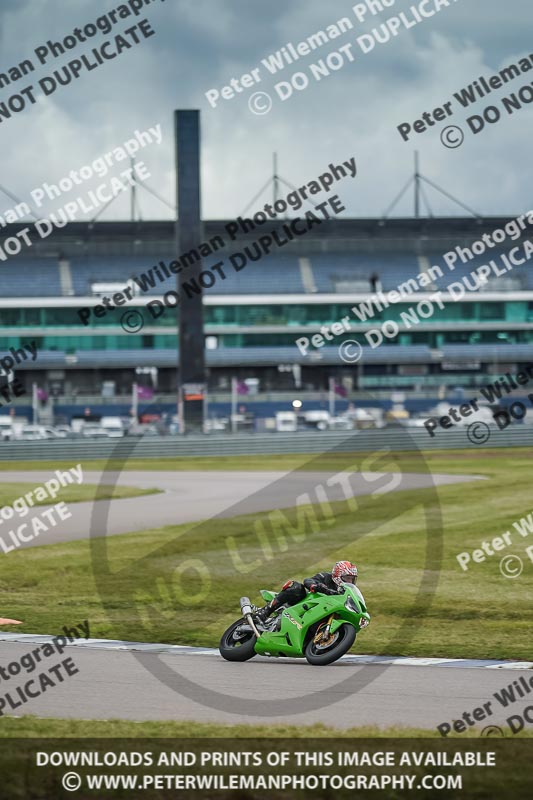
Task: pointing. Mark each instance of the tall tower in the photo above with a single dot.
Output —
(191, 382)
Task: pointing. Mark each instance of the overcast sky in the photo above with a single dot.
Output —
(202, 44)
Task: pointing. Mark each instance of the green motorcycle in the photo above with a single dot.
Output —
(321, 628)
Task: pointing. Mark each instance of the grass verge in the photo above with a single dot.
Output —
(181, 584)
(71, 493)
(454, 461)
(36, 727)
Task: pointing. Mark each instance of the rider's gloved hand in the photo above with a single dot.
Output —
(320, 587)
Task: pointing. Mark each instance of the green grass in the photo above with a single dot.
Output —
(36, 727)
(71, 493)
(410, 461)
(181, 584)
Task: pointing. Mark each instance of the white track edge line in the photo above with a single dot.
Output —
(180, 649)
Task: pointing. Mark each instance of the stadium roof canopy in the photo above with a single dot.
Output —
(152, 236)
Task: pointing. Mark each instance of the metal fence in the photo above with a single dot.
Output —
(265, 443)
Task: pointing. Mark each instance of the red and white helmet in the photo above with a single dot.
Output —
(343, 570)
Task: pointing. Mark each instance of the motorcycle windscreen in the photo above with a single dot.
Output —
(356, 591)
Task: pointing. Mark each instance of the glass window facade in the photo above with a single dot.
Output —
(105, 333)
(285, 315)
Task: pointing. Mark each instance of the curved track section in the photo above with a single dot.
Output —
(194, 496)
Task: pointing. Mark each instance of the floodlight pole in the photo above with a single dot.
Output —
(132, 207)
(275, 179)
(417, 187)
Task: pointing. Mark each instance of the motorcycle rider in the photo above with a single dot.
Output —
(293, 592)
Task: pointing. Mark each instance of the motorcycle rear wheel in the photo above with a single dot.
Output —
(327, 655)
(237, 649)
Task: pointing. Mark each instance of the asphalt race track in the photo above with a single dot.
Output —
(116, 684)
(120, 680)
(193, 496)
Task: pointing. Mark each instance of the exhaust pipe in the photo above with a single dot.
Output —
(246, 608)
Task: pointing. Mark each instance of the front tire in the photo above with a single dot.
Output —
(237, 649)
(341, 645)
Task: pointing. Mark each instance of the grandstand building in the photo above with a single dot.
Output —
(254, 317)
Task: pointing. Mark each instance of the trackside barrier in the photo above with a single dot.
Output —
(260, 443)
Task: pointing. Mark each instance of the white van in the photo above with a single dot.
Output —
(33, 433)
(113, 426)
(317, 419)
(286, 421)
(6, 428)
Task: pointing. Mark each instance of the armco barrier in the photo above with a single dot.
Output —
(259, 443)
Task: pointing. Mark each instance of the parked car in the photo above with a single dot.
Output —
(114, 427)
(54, 433)
(217, 424)
(286, 421)
(113, 433)
(6, 428)
(63, 432)
(366, 418)
(341, 423)
(91, 431)
(149, 430)
(315, 420)
(33, 433)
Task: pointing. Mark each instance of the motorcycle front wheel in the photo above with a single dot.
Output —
(320, 655)
(237, 647)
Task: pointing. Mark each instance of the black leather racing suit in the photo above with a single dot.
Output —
(320, 580)
(293, 592)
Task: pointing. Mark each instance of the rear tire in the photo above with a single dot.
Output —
(328, 655)
(237, 650)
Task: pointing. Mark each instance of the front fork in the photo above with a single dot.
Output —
(322, 634)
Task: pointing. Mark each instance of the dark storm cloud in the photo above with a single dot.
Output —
(202, 44)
